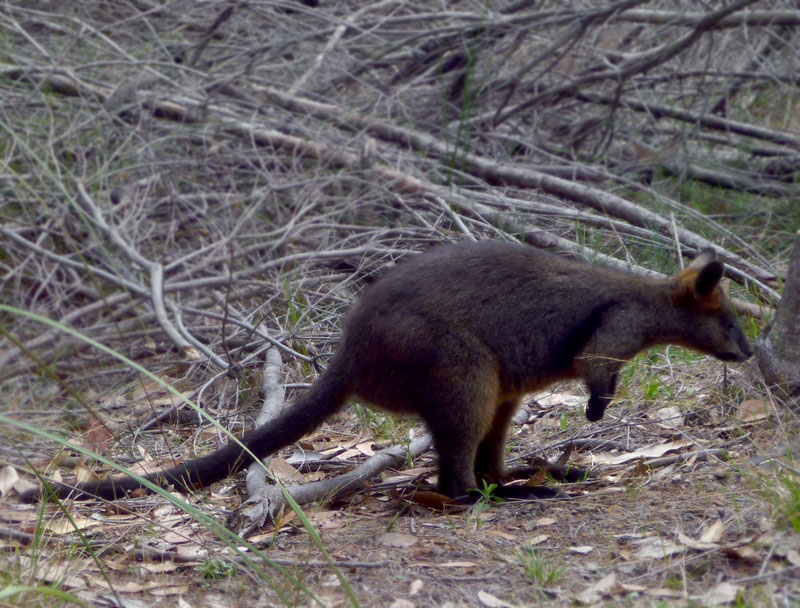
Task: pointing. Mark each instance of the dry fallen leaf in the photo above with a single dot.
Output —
(284, 471)
(170, 590)
(191, 551)
(415, 588)
(434, 500)
(687, 541)
(654, 547)
(366, 448)
(551, 398)
(84, 474)
(124, 586)
(652, 451)
(325, 520)
(63, 526)
(97, 437)
(594, 593)
(8, 477)
(753, 409)
(176, 536)
(712, 534)
(670, 417)
(397, 539)
(745, 553)
(502, 534)
(538, 539)
(487, 599)
(659, 592)
(724, 593)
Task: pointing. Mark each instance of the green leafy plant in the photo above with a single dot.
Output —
(487, 492)
(487, 497)
(214, 568)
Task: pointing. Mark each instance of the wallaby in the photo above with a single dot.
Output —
(458, 335)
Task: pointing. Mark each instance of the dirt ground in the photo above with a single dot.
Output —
(681, 512)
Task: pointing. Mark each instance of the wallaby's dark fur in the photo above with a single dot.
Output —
(459, 334)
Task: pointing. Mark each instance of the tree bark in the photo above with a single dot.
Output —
(778, 346)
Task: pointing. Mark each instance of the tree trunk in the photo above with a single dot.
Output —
(778, 346)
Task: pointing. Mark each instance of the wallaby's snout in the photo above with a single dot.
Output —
(741, 349)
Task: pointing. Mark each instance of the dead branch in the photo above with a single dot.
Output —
(271, 405)
(272, 500)
(518, 176)
(692, 19)
(716, 123)
(182, 339)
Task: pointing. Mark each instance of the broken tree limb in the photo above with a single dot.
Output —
(272, 500)
(494, 172)
(272, 403)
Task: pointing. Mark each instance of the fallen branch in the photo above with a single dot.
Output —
(271, 406)
(715, 123)
(750, 18)
(267, 505)
(494, 172)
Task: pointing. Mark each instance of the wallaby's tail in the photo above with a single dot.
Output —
(324, 398)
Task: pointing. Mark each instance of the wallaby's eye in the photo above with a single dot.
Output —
(729, 326)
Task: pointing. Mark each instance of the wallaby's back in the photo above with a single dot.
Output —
(533, 311)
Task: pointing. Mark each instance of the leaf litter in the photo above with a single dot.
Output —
(684, 531)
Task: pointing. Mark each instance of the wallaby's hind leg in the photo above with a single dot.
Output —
(456, 458)
(459, 418)
(458, 421)
(447, 377)
(491, 457)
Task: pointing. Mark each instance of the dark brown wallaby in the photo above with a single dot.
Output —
(459, 334)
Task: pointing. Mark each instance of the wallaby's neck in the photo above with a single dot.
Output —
(653, 317)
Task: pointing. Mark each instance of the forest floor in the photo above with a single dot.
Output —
(683, 511)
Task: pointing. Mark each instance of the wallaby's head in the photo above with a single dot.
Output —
(711, 320)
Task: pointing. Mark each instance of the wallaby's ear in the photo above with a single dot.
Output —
(700, 278)
(708, 277)
(703, 258)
